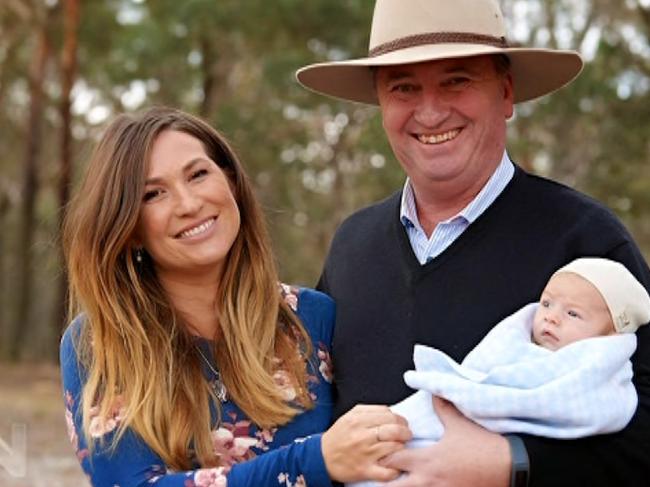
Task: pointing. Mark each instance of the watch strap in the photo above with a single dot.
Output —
(520, 463)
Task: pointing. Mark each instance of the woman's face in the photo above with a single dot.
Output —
(189, 218)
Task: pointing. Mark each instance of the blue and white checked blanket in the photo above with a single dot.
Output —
(508, 384)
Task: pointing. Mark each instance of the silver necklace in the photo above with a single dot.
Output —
(216, 383)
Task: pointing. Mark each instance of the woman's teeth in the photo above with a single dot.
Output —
(197, 230)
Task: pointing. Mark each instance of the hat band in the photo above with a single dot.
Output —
(437, 38)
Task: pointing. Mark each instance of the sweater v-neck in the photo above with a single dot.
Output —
(468, 236)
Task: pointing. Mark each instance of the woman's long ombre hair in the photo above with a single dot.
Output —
(136, 349)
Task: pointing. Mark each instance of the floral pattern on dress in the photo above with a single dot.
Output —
(325, 363)
(72, 430)
(233, 442)
(285, 385)
(285, 479)
(156, 473)
(102, 425)
(290, 295)
(209, 477)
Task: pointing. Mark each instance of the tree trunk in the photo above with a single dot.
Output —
(68, 75)
(4, 317)
(207, 70)
(29, 190)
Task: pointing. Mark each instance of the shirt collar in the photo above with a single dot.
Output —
(493, 188)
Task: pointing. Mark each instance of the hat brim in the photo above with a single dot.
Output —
(535, 72)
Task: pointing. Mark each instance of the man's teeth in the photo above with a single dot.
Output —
(438, 138)
(198, 229)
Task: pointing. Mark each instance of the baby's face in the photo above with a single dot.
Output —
(570, 309)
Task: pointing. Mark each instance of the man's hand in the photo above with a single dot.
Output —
(466, 456)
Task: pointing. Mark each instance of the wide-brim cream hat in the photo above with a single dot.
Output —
(415, 31)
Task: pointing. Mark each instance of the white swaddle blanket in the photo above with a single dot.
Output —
(508, 384)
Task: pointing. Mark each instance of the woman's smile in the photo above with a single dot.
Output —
(198, 230)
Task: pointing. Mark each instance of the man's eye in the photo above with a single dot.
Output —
(456, 82)
(151, 194)
(404, 88)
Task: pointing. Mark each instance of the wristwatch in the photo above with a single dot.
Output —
(520, 462)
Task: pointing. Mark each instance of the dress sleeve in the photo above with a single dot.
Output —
(133, 464)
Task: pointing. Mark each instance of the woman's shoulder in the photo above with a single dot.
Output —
(313, 300)
(315, 309)
(72, 333)
(69, 349)
(303, 299)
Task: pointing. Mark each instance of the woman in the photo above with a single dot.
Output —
(188, 360)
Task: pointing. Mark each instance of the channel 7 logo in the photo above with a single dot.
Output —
(13, 454)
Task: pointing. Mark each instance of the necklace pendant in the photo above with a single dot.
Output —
(217, 386)
(219, 390)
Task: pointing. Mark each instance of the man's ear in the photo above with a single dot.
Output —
(508, 96)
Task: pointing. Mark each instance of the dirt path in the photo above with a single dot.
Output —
(30, 395)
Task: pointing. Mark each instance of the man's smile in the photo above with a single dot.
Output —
(438, 138)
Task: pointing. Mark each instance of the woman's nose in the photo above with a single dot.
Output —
(187, 202)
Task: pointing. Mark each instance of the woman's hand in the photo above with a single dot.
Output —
(355, 443)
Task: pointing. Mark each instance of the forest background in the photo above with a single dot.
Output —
(68, 66)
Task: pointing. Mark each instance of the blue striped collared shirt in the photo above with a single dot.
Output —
(447, 231)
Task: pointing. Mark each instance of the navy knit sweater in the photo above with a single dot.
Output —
(386, 302)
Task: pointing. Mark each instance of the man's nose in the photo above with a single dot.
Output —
(431, 109)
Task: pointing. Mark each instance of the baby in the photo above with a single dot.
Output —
(550, 369)
(589, 297)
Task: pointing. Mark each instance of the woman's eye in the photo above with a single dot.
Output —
(151, 194)
(199, 173)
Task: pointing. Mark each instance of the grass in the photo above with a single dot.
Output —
(30, 394)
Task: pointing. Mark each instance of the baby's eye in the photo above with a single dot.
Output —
(151, 194)
(545, 303)
(573, 314)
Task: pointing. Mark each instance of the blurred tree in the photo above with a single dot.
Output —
(592, 135)
(68, 68)
(313, 160)
(33, 145)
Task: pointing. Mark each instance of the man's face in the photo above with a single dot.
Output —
(446, 120)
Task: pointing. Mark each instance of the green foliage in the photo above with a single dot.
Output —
(313, 160)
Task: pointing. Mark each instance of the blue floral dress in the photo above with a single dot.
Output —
(287, 456)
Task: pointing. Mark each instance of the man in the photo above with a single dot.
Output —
(469, 239)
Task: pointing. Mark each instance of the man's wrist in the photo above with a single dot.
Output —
(520, 463)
